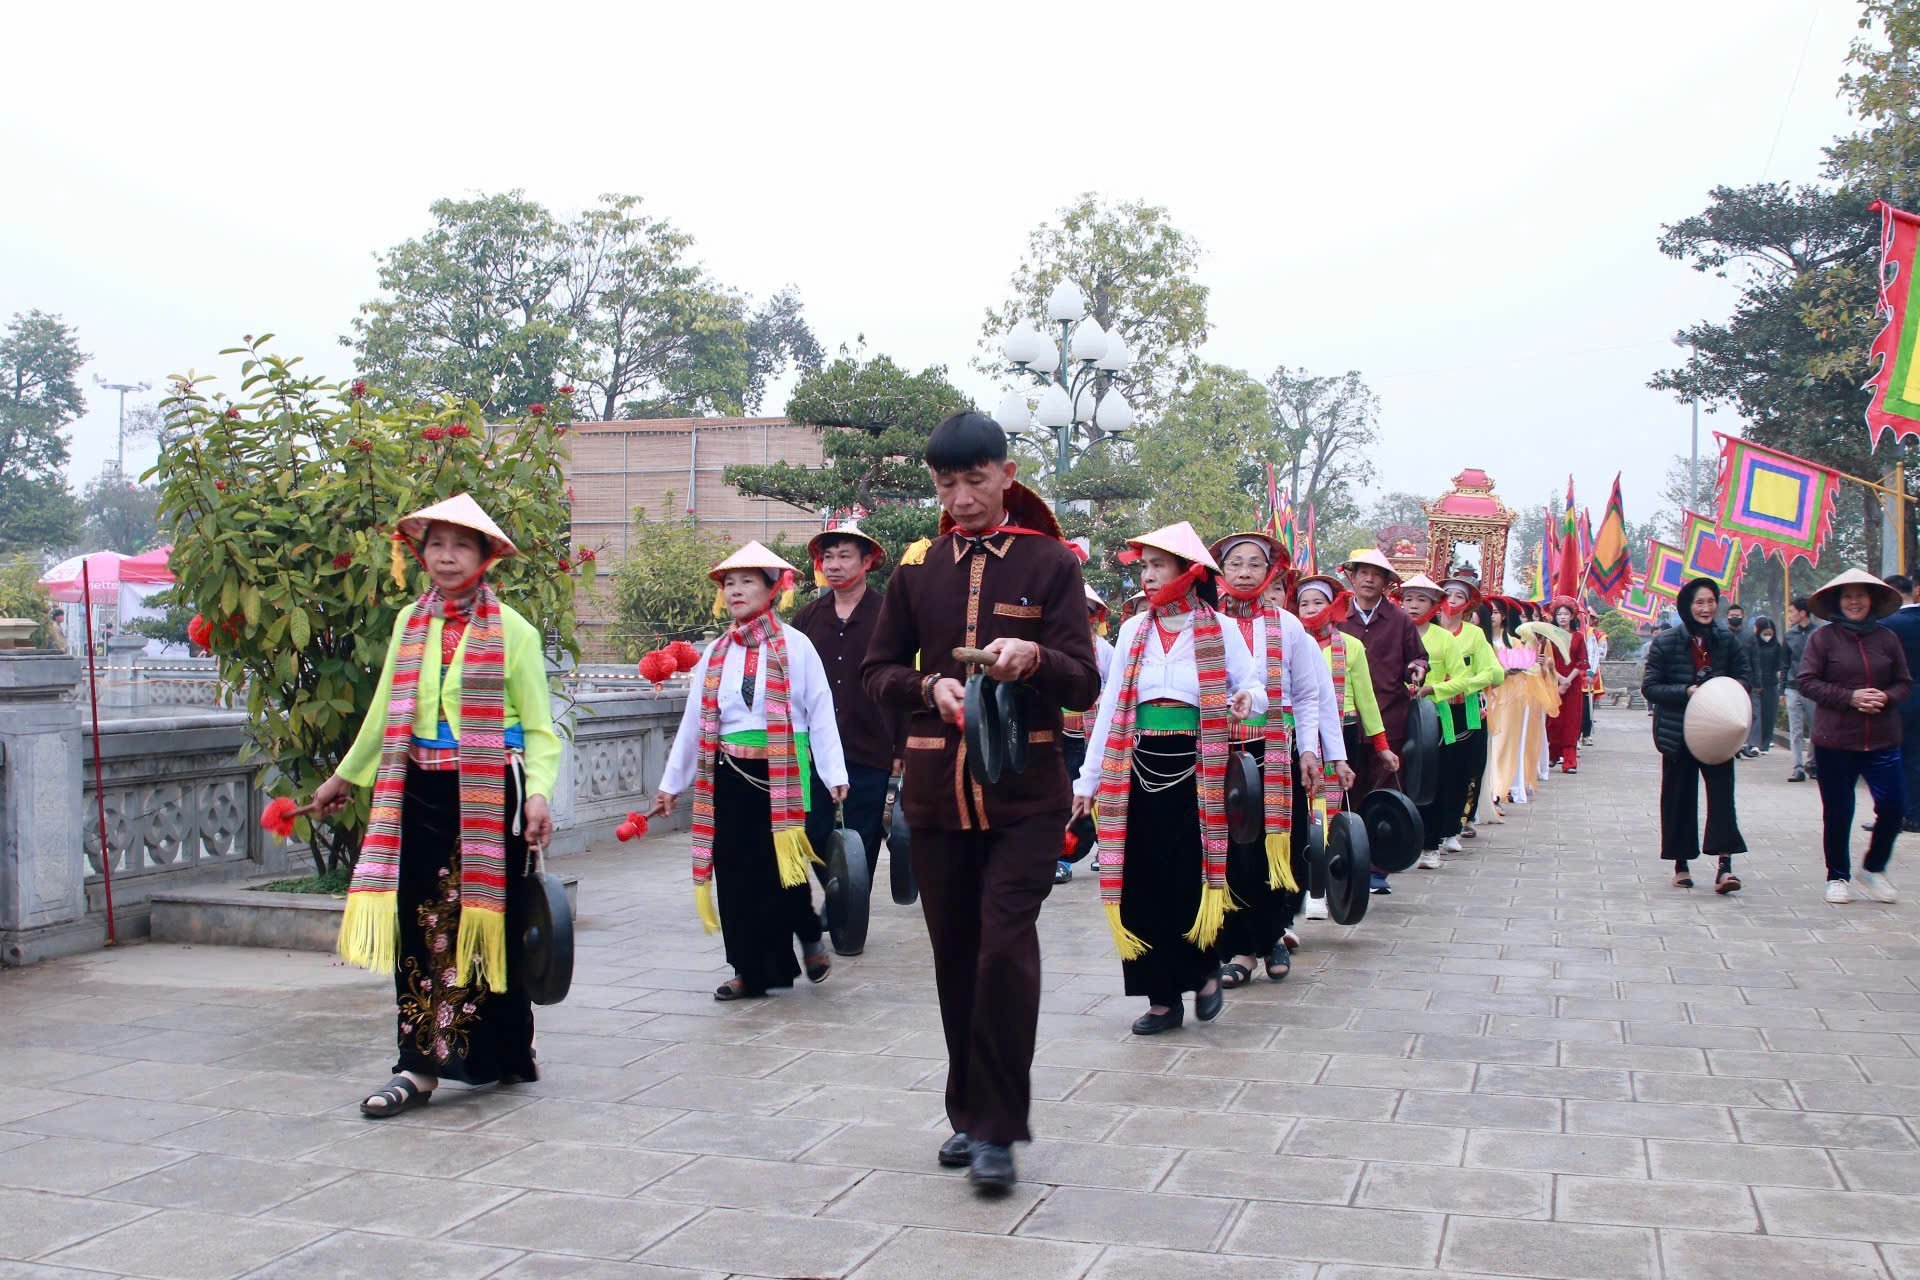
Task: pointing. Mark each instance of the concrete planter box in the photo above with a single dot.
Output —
(233, 915)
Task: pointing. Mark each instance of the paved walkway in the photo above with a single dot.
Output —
(1541, 1061)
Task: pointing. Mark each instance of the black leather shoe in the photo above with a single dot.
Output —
(957, 1152)
(992, 1166)
(1152, 1024)
(1207, 1008)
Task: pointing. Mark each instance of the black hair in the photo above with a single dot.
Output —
(966, 440)
(1900, 582)
(1483, 618)
(1736, 605)
(835, 539)
(1801, 603)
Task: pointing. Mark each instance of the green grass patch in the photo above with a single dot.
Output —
(334, 882)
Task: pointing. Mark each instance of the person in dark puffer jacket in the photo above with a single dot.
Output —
(1679, 661)
(1855, 672)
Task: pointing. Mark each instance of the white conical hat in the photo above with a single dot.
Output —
(1325, 582)
(1275, 550)
(1421, 582)
(845, 529)
(751, 556)
(462, 510)
(1369, 556)
(1719, 716)
(1180, 540)
(1094, 601)
(1825, 603)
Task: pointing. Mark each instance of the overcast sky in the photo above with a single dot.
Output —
(1459, 201)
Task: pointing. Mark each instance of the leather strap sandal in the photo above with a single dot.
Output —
(397, 1095)
(1726, 882)
(1279, 964)
(735, 989)
(1235, 975)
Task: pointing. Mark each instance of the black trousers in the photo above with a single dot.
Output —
(1840, 773)
(1680, 778)
(981, 893)
(1462, 761)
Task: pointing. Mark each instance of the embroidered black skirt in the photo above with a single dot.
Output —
(1160, 892)
(759, 918)
(464, 1033)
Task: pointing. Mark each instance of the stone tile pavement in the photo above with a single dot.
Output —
(1541, 1061)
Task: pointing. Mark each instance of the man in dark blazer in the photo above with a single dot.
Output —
(1905, 623)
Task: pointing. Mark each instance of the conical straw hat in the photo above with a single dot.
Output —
(1369, 556)
(1421, 582)
(845, 529)
(1180, 540)
(462, 510)
(1719, 716)
(751, 556)
(1326, 582)
(1094, 602)
(1276, 550)
(1825, 603)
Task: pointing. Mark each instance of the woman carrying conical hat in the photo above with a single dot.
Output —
(763, 715)
(1157, 760)
(1291, 742)
(458, 745)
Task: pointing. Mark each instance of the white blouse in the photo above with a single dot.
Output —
(1103, 658)
(809, 705)
(1168, 676)
(1308, 686)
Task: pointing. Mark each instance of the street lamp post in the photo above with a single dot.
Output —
(120, 455)
(1079, 372)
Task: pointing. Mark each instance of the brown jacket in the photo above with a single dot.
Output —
(1025, 586)
(1839, 661)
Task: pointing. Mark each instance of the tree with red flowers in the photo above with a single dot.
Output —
(279, 502)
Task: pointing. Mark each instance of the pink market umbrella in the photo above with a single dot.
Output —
(103, 573)
(148, 566)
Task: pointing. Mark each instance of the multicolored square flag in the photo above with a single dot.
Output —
(1705, 552)
(1638, 603)
(1773, 502)
(1666, 569)
(1895, 382)
(1609, 567)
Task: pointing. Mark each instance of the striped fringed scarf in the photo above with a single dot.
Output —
(1277, 765)
(1116, 777)
(792, 850)
(370, 929)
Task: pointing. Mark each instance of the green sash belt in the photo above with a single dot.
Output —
(1157, 719)
(757, 739)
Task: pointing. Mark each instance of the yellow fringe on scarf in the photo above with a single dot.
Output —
(793, 851)
(397, 561)
(370, 931)
(1129, 944)
(1214, 906)
(1280, 863)
(703, 903)
(481, 950)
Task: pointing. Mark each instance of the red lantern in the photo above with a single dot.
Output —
(634, 827)
(658, 667)
(687, 657)
(200, 631)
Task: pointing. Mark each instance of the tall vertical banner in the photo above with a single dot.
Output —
(1539, 588)
(1773, 502)
(1569, 566)
(1609, 567)
(1705, 552)
(1895, 382)
(1308, 559)
(1279, 513)
(1666, 569)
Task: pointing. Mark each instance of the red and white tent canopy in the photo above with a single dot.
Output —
(105, 571)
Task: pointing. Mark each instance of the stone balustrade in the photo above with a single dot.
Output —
(182, 809)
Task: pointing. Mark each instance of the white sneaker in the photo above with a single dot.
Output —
(1451, 844)
(1838, 891)
(1878, 887)
(1431, 861)
(1316, 908)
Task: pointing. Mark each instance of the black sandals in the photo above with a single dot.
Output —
(1235, 975)
(399, 1094)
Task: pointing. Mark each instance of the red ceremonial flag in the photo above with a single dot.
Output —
(1568, 566)
(1895, 405)
(1609, 569)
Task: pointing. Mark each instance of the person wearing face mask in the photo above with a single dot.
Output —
(1445, 680)
(1466, 619)
(1769, 658)
(1855, 672)
(1157, 761)
(1679, 661)
(761, 721)
(458, 745)
(1293, 743)
(1570, 673)
(997, 578)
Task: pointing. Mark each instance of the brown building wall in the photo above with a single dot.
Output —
(614, 467)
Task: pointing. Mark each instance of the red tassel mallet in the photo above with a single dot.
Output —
(633, 828)
(279, 814)
(685, 655)
(1069, 845)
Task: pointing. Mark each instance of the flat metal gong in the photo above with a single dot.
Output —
(1420, 754)
(546, 943)
(1246, 799)
(1393, 828)
(1085, 836)
(899, 856)
(1349, 869)
(849, 891)
(986, 735)
(1316, 843)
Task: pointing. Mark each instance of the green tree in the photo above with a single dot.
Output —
(22, 596)
(1329, 431)
(175, 617)
(1622, 633)
(40, 360)
(279, 505)
(1207, 453)
(1137, 270)
(661, 591)
(119, 515)
(874, 419)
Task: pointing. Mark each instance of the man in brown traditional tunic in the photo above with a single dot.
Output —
(997, 578)
(1395, 657)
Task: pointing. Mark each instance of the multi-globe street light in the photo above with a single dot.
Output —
(120, 453)
(1080, 371)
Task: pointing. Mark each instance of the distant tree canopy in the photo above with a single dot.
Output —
(40, 362)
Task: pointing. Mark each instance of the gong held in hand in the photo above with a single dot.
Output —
(995, 720)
